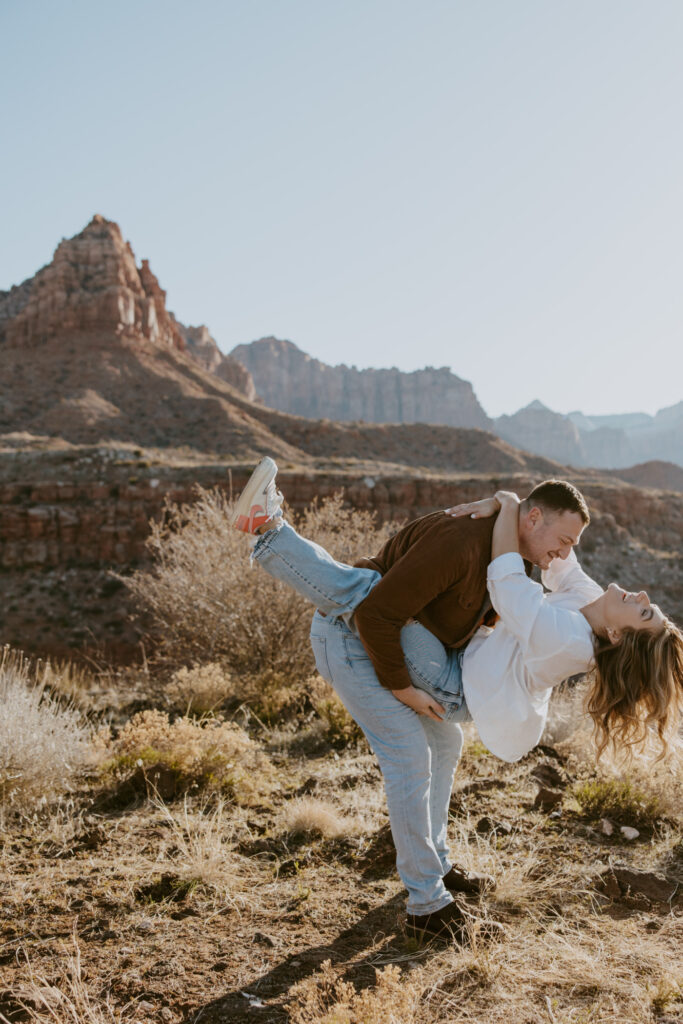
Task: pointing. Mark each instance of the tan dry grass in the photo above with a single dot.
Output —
(582, 970)
(200, 849)
(200, 689)
(68, 1000)
(324, 999)
(318, 817)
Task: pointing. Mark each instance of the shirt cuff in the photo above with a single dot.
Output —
(505, 565)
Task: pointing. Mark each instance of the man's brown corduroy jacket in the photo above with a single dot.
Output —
(434, 571)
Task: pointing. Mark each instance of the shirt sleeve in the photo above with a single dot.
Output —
(567, 576)
(426, 570)
(542, 629)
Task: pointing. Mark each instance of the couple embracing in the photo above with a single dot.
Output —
(407, 639)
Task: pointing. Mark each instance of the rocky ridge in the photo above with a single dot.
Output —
(604, 441)
(287, 378)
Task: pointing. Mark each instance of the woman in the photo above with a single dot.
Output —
(502, 680)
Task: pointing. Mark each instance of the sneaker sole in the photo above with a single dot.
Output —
(255, 485)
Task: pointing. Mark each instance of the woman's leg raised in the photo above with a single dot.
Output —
(333, 587)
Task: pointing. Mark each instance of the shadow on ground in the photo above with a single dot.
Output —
(378, 930)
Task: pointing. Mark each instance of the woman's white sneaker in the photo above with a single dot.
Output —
(260, 501)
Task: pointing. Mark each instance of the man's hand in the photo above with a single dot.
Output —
(421, 702)
(483, 509)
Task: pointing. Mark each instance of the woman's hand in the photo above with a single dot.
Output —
(483, 509)
(421, 702)
(507, 498)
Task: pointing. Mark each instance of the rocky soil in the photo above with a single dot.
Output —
(156, 912)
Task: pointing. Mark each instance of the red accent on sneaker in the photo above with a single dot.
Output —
(257, 517)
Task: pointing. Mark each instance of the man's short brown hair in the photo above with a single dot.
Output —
(559, 496)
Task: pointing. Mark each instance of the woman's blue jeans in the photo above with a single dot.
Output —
(417, 755)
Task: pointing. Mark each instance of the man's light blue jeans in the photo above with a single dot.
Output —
(417, 755)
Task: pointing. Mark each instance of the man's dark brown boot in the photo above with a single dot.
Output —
(459, 880)
(447, 924)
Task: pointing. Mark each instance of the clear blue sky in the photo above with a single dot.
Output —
(492, 185)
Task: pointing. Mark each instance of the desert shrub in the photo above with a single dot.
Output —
(208, 604)
(43, 741)
(324, 999)
(340, 728)
(202, 753)
(617, 798)
(200, 689)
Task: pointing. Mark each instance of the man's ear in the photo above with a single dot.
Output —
(613, 635)
(534, 515)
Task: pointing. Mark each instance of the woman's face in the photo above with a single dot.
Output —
(625, 610)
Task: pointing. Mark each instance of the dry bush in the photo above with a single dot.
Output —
(200, 689)
(341, 729)
(619, 799)
(309, 815)
(210, 752)
(43, 743)
(66, 679)
(324, 999)
(208, 604)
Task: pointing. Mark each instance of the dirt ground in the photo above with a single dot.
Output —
(118, 906)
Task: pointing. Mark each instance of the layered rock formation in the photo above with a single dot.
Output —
(91, 285)
(288, 379)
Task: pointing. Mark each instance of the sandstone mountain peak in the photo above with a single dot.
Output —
(91, 285)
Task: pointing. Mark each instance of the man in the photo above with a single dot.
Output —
(432, 571)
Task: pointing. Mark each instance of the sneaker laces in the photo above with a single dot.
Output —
(274, 499)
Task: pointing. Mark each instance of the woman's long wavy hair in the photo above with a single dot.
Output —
(636, 687)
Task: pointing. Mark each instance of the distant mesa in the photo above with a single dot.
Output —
(287, 378)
